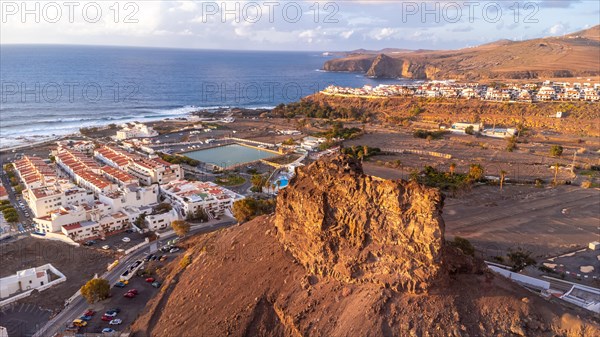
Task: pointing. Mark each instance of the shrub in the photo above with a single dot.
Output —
(249, 208)
(464, 245)
(185, 261)
(95, 290)
(556, 150)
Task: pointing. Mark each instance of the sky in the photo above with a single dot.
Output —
(291, 25)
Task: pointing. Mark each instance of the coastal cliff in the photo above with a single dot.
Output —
(504, 59)
(345, 254)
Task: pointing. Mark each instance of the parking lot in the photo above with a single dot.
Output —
(129, 307)
(115, 242)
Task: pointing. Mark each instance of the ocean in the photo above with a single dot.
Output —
(50, 90)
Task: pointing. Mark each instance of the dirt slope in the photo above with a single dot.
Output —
(256, 280)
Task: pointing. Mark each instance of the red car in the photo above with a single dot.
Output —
(89, 312)
(133, 291)
(107, 318)
(150, 279)
(129, 295)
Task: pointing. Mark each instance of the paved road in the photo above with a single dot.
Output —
(79, 305)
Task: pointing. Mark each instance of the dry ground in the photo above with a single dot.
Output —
(78, 264)
(528, 217)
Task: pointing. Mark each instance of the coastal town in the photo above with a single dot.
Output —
(118, 189)
(516, 92)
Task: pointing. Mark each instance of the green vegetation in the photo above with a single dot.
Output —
(511, 143)
(444, 181)
(556, 151)
(9, 212)
(469, 130)
(140, 222)
(163, 207)
(95, 290)
(178, 159)
(199, 215)
(185, 261)
(249, 208)
(180, 227)
(361, 151)
(315, 110)
(429, 135)
(339, 131)
(258, 182)
(289, 141)
(476, 172)
(230, 180)
(520, 259)
(464, 245)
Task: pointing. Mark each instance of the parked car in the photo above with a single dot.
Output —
(114, 310)
(162, 258)
(89, 312)
(148, 257)
(72, 328)
(173, 250)
(156, 284)
(115, 321)
(85, 318)
(129, 295)
(108, 318)
(108, 330)
(133, 291)
(129, 231)
(150, 279)
(110, 313)
(79, 323)
(126, 239)
(120, 285)
(106, 247)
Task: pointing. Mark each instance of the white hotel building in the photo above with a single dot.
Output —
(189, 196)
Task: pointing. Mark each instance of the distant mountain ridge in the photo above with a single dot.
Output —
(576, 54)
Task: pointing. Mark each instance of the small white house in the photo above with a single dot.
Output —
(23, 280)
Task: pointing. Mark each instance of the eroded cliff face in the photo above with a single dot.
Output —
(337, 221)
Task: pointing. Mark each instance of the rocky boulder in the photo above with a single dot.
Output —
(336, 221)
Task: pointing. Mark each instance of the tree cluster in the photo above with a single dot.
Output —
(249, 208)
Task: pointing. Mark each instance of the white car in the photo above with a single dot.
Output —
(106, 247)
(115, 321)
(126, 239)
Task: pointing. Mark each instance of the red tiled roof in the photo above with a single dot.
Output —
(72, 226)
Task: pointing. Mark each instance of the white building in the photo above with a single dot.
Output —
(311, 143)
(23, 280)
(146, 170)
(131, 195)
(135, 130)
(34, 172)
(162, 220)
(84, 146)
(189, 196)
(43, 200)
(461, 127)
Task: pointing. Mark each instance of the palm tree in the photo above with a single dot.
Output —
(452, 168)
(502, 177)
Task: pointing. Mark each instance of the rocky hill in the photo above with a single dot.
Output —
(345, 254)
(571, 55)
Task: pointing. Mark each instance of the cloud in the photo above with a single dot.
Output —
(558, 3)
(462, 29)
(558, 29)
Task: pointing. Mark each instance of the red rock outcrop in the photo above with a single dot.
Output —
(337, 221)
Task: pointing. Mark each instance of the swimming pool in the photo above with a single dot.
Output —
(283, 182)
(229, 155)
